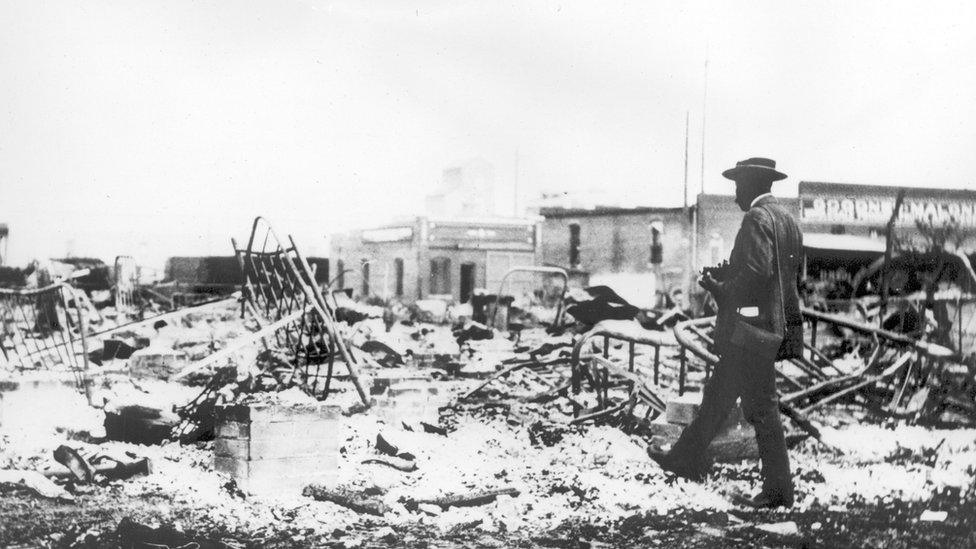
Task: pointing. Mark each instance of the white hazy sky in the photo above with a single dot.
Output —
(162, 128)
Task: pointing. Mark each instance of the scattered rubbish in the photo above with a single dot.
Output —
(384, 447)
(598, 303)
(933, 516)
(473, 331)
(133, 535)
(77, 465)
(139, 424)
(87, 470)
(382, 353)
(428, 428)
(387, 534)
(788, 528)
(471, 499)
(360, 502)
(399, 463)
(35, 482)
(429, 508)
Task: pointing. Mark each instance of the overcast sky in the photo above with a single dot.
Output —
(162, 128)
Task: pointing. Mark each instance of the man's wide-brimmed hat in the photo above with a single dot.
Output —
(758, 167)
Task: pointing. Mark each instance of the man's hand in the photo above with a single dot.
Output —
(713, 286)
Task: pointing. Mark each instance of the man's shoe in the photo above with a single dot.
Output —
(667, 463)
(764, 501)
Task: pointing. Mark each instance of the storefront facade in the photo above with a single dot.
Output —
(434, 258)
(844, 225)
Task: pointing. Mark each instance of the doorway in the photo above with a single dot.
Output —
(467, 281)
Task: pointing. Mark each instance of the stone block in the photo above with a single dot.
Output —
(157, 363)
(282, 447)
(276, 476)
(274, 448)
(278, 413)
(397, 410)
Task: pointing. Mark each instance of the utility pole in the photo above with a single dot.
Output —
(691, 218)
(686, 161)
(704, 109)
(515, 186)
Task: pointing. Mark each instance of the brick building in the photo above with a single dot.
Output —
(432, 258)
(637, 251)
(717, 220)
(844, 224)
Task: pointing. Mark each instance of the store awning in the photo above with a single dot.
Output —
(843, 242)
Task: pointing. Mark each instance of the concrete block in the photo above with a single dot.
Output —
(277, 413)
(270, 447)
(422, 390)
(157, 363)
(275, 476)
(232, 429)
(283, 447)
(401, 410)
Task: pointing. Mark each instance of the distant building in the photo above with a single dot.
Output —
(637, 251)
(644, 251)
(467, 190)
(425, 258)
(222, 274)
(844, 224)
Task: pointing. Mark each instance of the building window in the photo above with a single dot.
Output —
(341, 274)
(657, 249)
(398, 272)
(440, 276)
(365, 272)
(574, 245)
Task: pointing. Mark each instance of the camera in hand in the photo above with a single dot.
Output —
(718, 272)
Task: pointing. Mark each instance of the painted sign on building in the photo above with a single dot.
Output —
(864, 205)
(388, 234)
(494, 236)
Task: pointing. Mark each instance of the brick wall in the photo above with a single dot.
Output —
(617, 240)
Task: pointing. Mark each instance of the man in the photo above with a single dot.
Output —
(749, 291)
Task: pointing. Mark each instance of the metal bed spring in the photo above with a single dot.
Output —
(278, 282)
(43, 328)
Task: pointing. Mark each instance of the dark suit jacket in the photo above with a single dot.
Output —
(751, 281)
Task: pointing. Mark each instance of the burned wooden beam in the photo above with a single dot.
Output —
(357, 501)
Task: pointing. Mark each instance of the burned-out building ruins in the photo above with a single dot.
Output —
(354, 275)
(301, 377)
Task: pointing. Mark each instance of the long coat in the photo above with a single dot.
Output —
(751, 280)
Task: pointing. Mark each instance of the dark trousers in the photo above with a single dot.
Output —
(739, 375)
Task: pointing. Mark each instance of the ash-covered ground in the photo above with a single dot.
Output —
(875, 484)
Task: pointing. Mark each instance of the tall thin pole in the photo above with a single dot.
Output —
(690, 218)
(515, 186)
(704, 109)
(686, 161)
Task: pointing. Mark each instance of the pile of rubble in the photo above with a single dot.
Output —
(291, 416)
